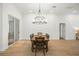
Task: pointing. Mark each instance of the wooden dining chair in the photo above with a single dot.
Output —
(46, 42)
(32, 42)
(47, 35)
(40, 44)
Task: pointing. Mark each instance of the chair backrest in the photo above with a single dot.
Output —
(47, 35)
(39, 33)
(31, 36)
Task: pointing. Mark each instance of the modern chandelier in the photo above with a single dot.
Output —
(39, 19)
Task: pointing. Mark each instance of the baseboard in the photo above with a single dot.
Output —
(51, 38)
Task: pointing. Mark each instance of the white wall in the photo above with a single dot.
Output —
(52, 27)
(72, 21)
(0, 26)
(9, 9)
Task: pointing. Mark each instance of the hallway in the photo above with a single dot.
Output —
(56, 48)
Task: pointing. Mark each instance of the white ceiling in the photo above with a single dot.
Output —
(55, 8)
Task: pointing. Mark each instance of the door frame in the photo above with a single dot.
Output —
(62, 30)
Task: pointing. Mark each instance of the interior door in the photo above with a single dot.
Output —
(62, 31)
(13, 34)
(11, 31)
(16, 29)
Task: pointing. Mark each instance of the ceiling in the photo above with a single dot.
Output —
(48, 8)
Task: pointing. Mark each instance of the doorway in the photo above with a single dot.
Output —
(11, 30)
(13, 34)
(62, 30)
(16, 27)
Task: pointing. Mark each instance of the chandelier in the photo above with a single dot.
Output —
(39, 19)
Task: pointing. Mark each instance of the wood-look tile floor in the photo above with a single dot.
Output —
(56, 48)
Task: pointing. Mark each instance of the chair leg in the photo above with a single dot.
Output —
(46, 48)
(43, 51)
(32, 48)
(35, 51)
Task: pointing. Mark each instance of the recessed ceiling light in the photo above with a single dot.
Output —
(53, 6)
